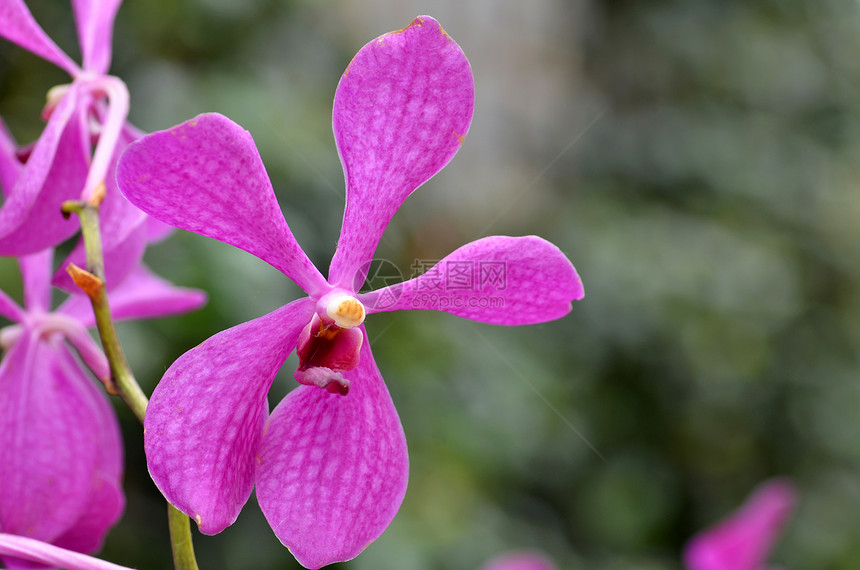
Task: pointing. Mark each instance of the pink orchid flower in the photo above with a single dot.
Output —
(744, 540)
(330, 462)
(520, 561)
(60, 446)
(40, 552)
(62, 164)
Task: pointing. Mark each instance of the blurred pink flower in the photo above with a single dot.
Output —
(744, 540)
(60, 446)
(75, 156)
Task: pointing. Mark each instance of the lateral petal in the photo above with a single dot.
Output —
(332, 470)
(400, 113)
(500, 280)
(9, 308)
(205, 418)
(18, 26)
(206, 176)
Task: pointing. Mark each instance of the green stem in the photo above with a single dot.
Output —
(180, 539)
(122, 382)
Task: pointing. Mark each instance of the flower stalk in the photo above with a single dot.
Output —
(122, 381)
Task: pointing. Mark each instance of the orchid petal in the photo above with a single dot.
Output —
(48, 434)
(95, 31)
(106, 500)
(744, 540)
(205, 418)
(206, 176)
(10, 166)
(332, 470)
(36, 274)
(400, 113)
(30, 219)
(37, 551)
(501, 280)
(18, 26)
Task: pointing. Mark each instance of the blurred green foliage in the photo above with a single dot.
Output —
(698, 162)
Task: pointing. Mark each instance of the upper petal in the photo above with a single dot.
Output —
(95, 31)
(744, 540)
(205, 418)
(332, 470)
(501, 280)
(17, 25)
(206, 176)
(400, 113)
(30, 219)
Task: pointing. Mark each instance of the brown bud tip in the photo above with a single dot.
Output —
(89, 283)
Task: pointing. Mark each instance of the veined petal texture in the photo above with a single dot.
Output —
(94, 19)
(499, 279)
(206, 176)
(206, 416)
(333, 469)
(400, 113)
(18, 26)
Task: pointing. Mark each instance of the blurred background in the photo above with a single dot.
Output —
(698, 162)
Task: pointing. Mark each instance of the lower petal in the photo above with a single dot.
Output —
(332, 470)
(49, 441)
(205, 418)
